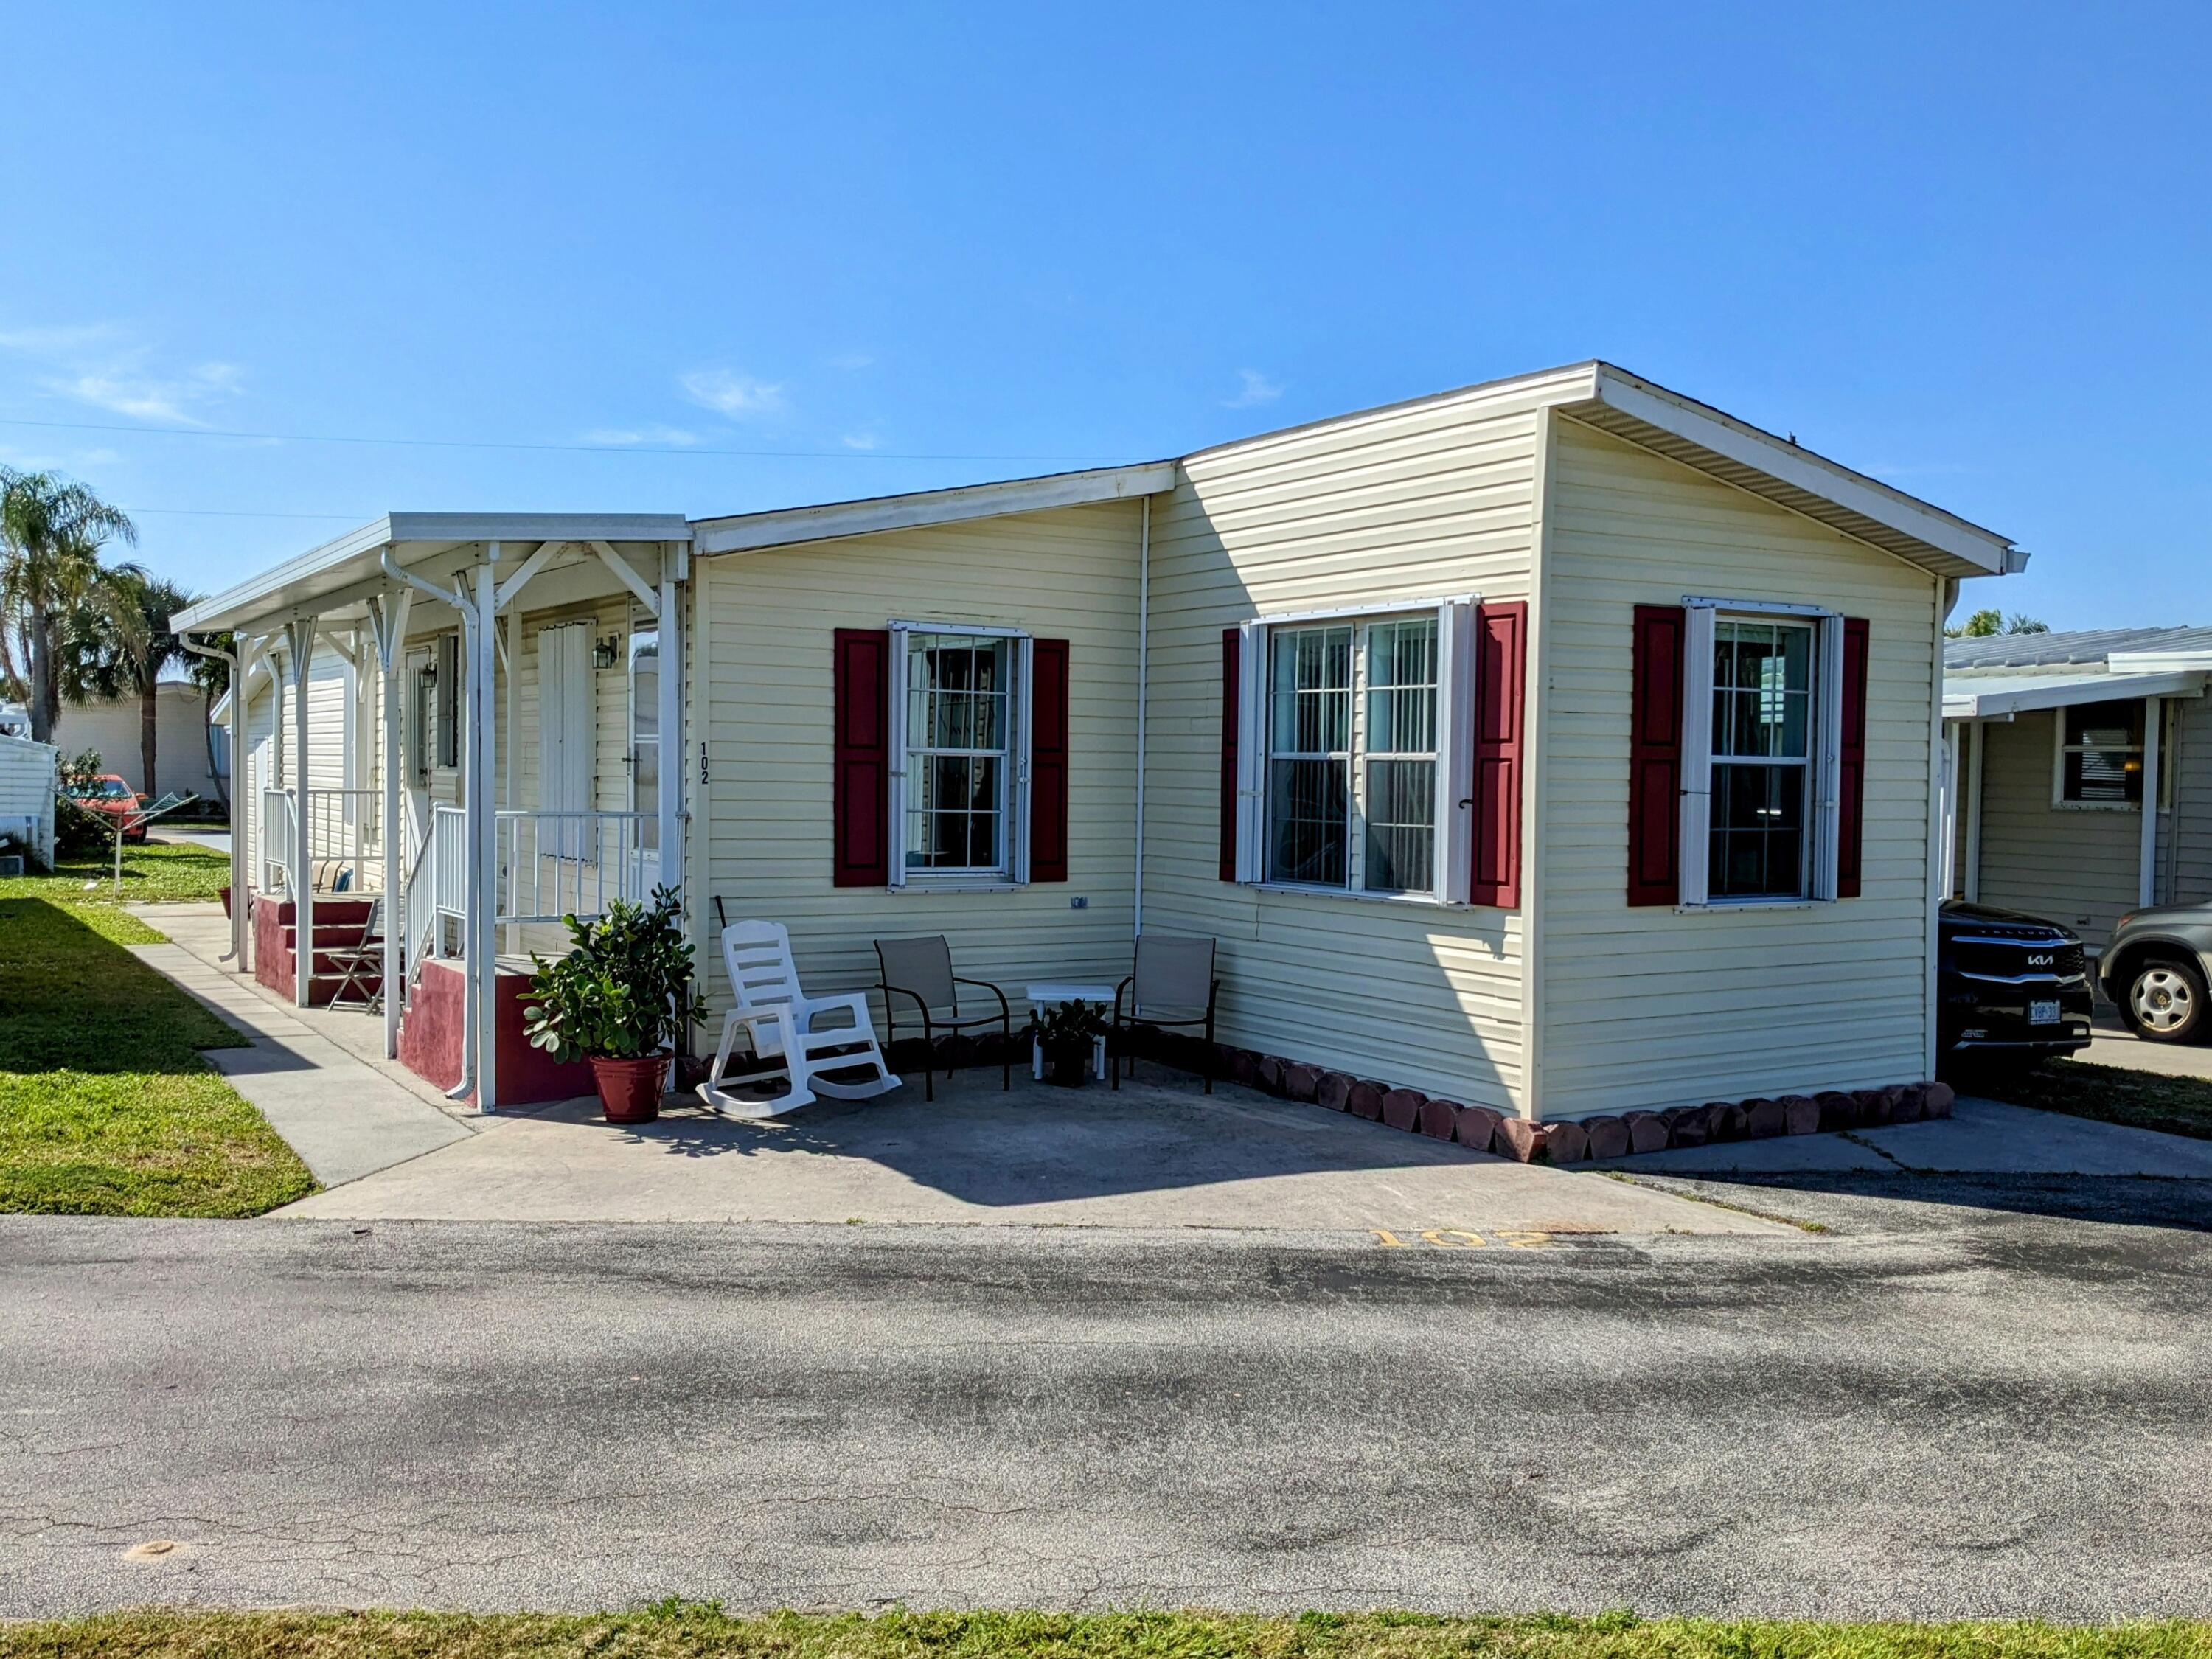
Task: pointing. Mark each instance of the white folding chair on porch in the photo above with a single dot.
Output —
(778, 1019)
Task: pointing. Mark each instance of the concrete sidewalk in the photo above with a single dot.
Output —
(345, 1116)
(1981, 1137)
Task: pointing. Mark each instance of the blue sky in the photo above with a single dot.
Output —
(1967, 249)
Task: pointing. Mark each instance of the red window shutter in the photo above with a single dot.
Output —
(1501, 655)
(1850, 797)
(861, 789)
(1654, 757)
(1232, 693)
(1049, 761)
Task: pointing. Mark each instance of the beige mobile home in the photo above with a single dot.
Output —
(1558, 745)
(2085, 791)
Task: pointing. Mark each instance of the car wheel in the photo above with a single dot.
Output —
(2166, 1002)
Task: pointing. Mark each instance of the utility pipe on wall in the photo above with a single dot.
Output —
(1144, 679)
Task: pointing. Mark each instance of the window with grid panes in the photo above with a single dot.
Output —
(958, 740)
(1351, 726)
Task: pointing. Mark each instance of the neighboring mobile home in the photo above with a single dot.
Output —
(2059, 741)
(1558, 745)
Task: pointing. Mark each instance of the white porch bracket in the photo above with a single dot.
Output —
(629, 578)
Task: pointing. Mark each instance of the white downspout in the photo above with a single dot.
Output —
(1144, 680)
(467, 1086)
(669, 798)
(241, 901)
(1947, 598)
(387, 617)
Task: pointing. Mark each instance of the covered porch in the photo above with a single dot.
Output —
(450, 730)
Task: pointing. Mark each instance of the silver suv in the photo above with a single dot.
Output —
(2154, 972)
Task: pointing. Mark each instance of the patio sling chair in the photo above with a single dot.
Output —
(1173, 986)
(922, 969)
(779, 1021)
(360, 964)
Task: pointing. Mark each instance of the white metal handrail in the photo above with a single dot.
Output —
(344, 826)
(279, 825)
(418, 912)
(449, 863)
(554, 865)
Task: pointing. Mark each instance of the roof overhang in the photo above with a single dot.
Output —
(341, 574)
(749, 532)
(1698, 435)
(2000, 697)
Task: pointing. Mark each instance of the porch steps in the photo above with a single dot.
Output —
(338, 923)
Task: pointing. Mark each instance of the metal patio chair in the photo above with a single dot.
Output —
(1173, 986)
(922, 969)
(359, 965)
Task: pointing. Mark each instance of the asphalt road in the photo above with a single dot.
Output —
(1960, 1404)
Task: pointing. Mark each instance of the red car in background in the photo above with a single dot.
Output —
(109, 796)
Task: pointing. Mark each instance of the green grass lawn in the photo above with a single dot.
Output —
(153, 873)
(683, 1632)
(106, 1105)
(2110, 1094)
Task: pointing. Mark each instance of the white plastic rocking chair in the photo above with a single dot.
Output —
(778, 1020)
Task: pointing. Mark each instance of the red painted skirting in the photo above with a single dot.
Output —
(430, 1039)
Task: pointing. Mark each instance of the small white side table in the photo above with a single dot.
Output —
(1043, 997)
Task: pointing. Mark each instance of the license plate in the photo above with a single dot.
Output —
(2043, 1013)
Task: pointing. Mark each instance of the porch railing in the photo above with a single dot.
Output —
(418, 910)
(449, 864)
(557, 864)
(344, 826)
(279, 826)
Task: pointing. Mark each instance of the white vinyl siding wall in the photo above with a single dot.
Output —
(1646, 1007)
(1427, 501)
(2078, 869)
(764, 649)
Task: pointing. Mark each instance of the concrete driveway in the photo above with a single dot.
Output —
(1157, 1153)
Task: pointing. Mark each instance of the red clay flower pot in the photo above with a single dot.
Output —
(629, 1090)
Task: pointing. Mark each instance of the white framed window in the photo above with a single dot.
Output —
(959, 733)
(2099, 765)
(1761, 758)
(1349, 780)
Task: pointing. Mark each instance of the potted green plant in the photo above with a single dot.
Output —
(1068, 1033)
(618, 999)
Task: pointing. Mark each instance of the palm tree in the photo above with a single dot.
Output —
(50, 532)
(115, 642)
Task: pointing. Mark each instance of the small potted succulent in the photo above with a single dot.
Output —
(619, 1000)
(1068, 1033)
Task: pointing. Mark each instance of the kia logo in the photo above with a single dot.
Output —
(2040, 959)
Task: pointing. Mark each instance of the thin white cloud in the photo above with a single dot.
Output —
(655, 435)
(849, 361)
(1257, 389)
(738, 396)
(861, 441)
(98, 365)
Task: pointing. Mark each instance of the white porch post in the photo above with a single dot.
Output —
(2147, 876)
(1952, 794)
(1978, 735)
(483, 828)
(387, 615)
(299, 635)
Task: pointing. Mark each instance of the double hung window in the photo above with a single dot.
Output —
(1762, 777)
(960, 769)
(1347, 789)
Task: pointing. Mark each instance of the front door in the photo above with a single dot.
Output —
(566, 718)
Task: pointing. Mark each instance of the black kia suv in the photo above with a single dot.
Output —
(2010, 988)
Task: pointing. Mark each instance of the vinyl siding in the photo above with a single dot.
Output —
(1645, 1007)
(1417, 503)
(2079, 868)
(2185, 851)
(111, 728)
(761, 833)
